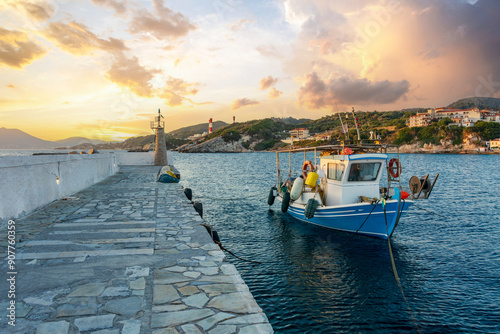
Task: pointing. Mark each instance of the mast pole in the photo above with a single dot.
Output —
(345, 131)
(356, 122)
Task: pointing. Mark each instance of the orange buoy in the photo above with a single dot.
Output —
(394, 167)
(305, 170)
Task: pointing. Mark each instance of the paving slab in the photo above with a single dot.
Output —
(129, 256)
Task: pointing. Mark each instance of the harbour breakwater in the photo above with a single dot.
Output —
(129, 256)
(30, 182)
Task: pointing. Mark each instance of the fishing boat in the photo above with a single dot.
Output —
(342, 187)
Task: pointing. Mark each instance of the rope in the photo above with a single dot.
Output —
(434, 213)
(236, 256)
(211, 231)
(396, 276)
(233, 199)
(353, 234)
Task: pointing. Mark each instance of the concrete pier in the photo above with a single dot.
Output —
(127, 255)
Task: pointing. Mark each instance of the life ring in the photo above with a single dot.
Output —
(305, 170)
(394, 167)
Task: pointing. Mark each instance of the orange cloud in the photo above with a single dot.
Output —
(77, 39)
(239, 103)
(274, 93)
(265, 83)
(166, 24)
(128, 73)
(317, 94)
(16, 49)
(39, 11)
(176, 89)
(118, 7)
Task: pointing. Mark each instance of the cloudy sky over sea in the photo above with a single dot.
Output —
(102, 68)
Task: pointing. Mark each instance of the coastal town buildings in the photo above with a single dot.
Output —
(460, 117)
(493, 144)
(299, 133)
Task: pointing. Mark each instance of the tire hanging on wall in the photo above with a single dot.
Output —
(286, 202)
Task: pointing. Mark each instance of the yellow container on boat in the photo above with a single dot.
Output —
(312, 178)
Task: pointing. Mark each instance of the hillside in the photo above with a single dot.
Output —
(252, 135)
(291, 120)
(73, 141)
(488, 103)
(188, 131)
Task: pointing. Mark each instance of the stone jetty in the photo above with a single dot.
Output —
(125, 256)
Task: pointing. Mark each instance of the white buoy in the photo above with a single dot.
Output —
(297, 188)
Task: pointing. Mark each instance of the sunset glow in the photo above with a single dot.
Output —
(102, 68)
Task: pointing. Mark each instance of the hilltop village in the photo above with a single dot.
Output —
(434, 130)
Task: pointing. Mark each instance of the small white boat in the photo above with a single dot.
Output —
(340, 188)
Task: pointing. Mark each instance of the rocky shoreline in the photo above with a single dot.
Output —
(218, 145)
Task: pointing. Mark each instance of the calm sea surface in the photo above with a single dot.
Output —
(312, 282)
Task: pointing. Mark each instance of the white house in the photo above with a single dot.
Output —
(299, 133)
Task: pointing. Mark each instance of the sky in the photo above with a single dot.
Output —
(102, 68)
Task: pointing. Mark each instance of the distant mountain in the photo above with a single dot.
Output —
(489, 103)
(73, 141)
(17, 139)
(187, 131)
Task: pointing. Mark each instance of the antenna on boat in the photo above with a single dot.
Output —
(344, 130)
(356, 122)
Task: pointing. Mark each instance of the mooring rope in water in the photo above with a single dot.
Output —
(215, 237)
(396, 276)
(434, 213)
(236, 256)
(232, 199)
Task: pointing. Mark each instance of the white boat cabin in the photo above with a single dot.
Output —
(344, 178)
(350, 176)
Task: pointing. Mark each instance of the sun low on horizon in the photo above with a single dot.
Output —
(101, 69)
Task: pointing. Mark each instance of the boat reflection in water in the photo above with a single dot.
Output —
(352, 281)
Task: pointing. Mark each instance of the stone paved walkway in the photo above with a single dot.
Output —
(127, 255)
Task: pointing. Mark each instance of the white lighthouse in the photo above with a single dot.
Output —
(160, 145)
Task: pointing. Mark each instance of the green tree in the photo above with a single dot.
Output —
(404, 136)
(443, 124)
(230, 135)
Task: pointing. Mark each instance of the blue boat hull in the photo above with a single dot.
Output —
(361, 218)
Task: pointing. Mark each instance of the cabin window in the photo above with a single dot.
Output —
(335, 171)
(364, 171)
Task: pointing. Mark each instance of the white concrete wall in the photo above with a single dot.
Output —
(140, 158)
(29, 182)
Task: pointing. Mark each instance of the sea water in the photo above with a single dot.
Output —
(316, 280)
